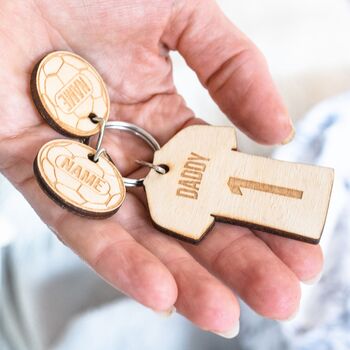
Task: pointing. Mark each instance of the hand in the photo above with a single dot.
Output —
(128, 42)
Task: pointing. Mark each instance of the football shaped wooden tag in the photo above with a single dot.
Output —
(208, 181)
(66, 90)
(65, 171)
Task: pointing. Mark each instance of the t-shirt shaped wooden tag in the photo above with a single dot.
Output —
(209, 180)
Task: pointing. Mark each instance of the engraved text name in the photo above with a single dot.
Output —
(73, 94)
(191, 176)
(84, 176)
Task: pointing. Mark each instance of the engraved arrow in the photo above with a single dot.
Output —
(235, 184)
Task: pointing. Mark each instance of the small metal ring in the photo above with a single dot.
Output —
(98, 154)
(99, 150)
(159, 169)
(143, 134)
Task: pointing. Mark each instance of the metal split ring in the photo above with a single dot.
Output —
(158, 168)
(99, 149)
(134, 130)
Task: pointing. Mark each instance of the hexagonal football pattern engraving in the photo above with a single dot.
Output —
(66, 173)
(66, 89)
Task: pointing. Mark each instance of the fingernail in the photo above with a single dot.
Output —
(233, 332)
(314, 280)
(166, 313)
(290, 137)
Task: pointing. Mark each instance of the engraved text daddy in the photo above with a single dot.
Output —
(73, 93)
(191, 176)
(83, 175)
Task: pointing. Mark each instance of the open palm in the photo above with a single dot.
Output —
(128, 43)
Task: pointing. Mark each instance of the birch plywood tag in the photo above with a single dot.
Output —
(66, 89)
(68, 176)
(209, 181)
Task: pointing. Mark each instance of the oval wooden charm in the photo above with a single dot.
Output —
(69, 177)
(66, 89)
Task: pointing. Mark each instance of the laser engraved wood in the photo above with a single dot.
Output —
(235, 184)
(65, 90)
(68, 176)
(209, 181)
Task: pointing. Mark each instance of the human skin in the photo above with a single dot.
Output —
(128, 41)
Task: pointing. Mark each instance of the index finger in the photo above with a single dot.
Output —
(233, 70)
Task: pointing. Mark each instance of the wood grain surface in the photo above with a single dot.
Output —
(68, 176)
(208, 180)
(66, 89)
